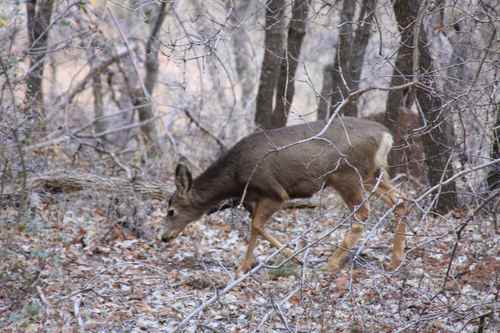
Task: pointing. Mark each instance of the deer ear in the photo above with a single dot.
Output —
(183, 178)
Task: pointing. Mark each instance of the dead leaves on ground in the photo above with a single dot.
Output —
(123, 282)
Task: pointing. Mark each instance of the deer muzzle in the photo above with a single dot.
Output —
(169, 235)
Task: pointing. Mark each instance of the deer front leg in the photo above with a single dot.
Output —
(398, 245)
(337, 260)
(391, 197)
(352, 193)
(249, 260)
(276, 243)
(263, 210)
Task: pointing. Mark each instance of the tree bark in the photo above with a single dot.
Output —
(211, 61)
(342, 70)
(439, 139)
(289, 63)
(143, 99)
(242, 53)
(39, 14)
(360, 44)
(333, 89)
(68, 182)
(100, 125)
(401, 99)
(325, 98)
(494, 174)
(239, 15)
(273, 44)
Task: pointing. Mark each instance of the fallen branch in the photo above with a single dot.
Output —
(67, 182)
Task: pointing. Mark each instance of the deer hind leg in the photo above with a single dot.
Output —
(352, 193)
(393, 198)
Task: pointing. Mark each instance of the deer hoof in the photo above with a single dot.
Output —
(289, 254)
(392, 265)
(245, 266)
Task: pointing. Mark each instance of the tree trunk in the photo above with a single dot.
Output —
(242, 53)
(325, 98)
(143, 99)
(273, 44)
(439, 139)
(360, 44)
(401, 99)
(494, 174)
(342, 69)
(100, 125)
(289, 63)
(211, 61)
(38, 23)
(332, 92)
(242, 120)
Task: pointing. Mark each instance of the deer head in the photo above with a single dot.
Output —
(181, 207)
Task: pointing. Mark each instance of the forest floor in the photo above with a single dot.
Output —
(82, 263)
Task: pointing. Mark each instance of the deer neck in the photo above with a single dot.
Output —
(213, 186)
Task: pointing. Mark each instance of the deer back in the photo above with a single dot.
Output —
(268, 164)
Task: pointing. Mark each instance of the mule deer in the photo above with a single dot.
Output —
(267, 169)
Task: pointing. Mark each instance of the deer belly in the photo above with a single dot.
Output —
(303, 189)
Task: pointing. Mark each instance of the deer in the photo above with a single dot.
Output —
(268, 168)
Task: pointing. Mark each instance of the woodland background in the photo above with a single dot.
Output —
(100, 99)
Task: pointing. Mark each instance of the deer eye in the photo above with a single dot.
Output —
(170, 212)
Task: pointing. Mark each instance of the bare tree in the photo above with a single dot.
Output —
(344, 73)
(289, 63)
(273, 52)
(242, 53)
(439, 135)
(39, 13)
(400, 99)
(360, 41)
(275, 96)
(143, 97)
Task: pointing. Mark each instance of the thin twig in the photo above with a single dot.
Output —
(221, 145)
(455, 176)
(266, 316)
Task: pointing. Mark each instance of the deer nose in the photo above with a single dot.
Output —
(169, 235)
(166, 237)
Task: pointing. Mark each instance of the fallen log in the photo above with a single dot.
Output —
(68, 182)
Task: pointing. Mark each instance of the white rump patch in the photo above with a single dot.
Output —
(383, 150)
